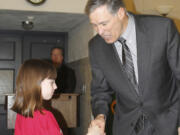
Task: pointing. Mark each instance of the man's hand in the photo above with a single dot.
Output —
(99, 122)
(94, 130)
(178, 130)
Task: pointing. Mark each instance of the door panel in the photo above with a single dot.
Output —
(10, 60)
(7, 50)
(40, 47)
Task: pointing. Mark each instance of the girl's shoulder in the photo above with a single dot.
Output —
(42, 122)
(43, 115)
(38, 116)
(46, 113)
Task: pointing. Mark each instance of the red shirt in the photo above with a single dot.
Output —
(40, 124)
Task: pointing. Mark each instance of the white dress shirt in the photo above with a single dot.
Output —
(130, 36)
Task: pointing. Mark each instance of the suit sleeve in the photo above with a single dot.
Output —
(173, 54)
(101, 93)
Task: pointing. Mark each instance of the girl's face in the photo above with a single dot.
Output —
(47, 88)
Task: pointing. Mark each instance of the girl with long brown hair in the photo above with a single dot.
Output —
(35, 82)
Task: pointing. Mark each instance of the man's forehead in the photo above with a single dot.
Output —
(99, 10)
(57, 50)
(98, 17)
(100, 22)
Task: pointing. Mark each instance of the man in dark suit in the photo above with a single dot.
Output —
(66, 80)
(137, 57)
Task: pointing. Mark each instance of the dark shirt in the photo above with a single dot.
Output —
(66, 80)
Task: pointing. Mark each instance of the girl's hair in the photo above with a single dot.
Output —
(28, 86)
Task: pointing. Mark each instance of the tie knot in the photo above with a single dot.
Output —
(122, 40)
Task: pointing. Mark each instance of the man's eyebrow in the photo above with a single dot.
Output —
(99, 22)
(103, 22)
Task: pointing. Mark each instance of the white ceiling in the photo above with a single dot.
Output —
(149, 7)
(64, 22)
(43, 21)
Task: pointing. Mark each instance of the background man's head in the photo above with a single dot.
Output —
(57, 56)
(108, 18)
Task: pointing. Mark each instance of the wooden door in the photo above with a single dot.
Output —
(10, 60)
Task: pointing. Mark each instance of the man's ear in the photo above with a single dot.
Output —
(121, 13)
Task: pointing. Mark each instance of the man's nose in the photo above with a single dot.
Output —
(100, 30)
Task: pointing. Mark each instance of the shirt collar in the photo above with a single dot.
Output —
(128, 33)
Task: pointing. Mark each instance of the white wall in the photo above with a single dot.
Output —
(150, 7)
(67, 6)
(78, 41)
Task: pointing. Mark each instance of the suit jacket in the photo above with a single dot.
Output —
(158, 59)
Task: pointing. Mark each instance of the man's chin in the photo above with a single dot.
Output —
(57, 65)
(109, 41)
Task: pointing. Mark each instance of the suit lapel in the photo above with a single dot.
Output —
(143, 57)
(143, 54)
(115, 61)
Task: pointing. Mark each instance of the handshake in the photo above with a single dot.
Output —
(97, 126)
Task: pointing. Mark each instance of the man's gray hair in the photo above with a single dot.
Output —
(112, 5)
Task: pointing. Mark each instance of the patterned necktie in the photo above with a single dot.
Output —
(128, 63)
